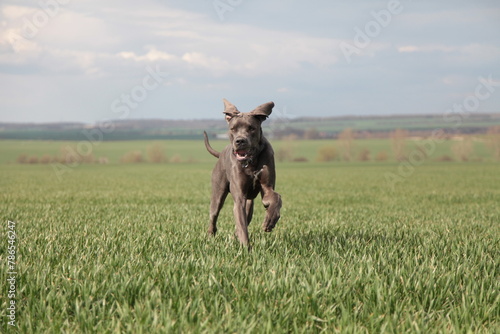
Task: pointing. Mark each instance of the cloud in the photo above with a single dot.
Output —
(13, 12)
(408, 48)
(186, 39)
(200, 60)
(152, 55)
(474, 52)
(260, 51)
(427, 48)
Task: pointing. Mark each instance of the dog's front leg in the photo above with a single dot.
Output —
(270, 198)
(240, 215)
(272, 203)
(241, 220)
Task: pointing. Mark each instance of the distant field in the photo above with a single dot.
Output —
(279, 124)
(194, 150)
(122, 247)
(389, 123)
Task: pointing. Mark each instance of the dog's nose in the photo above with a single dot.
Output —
(239, 141)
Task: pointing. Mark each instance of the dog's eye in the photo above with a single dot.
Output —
(251, 128)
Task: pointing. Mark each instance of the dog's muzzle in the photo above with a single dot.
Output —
(241, 150)
(242, 155)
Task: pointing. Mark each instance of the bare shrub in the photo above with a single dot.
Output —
(493, 141)
(45, 159)
(57, 158)
(33, 160)
(69, 155)
(382, 156)
(311, 133)
(364, 155)
(462, 149)
(176, 159)
(300, 159)
(156, 153)
(132, 157)
(398, 138)
(88, 158)
(422, 151)
(103, 160)
(346, 139)
(285, 152)
(22, 159)
(445, 158)
(327, 153)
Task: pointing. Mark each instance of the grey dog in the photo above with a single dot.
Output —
(245, 168)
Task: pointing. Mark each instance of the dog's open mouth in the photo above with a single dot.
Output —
(241, 155)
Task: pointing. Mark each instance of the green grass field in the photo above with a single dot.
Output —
(123, 247)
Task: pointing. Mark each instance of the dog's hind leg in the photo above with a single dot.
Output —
(216, 204)
(220, 190)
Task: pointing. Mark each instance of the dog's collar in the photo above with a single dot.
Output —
(246, 163)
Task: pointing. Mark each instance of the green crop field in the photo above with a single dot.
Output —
(112, 248)
(194, 151)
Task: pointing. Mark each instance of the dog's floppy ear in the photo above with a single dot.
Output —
(230, 110)
(263, 111)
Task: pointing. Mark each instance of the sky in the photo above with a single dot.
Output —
(93, 61)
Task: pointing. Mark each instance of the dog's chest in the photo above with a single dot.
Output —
(251, 183)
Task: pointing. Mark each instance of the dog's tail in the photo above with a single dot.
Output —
(209, 148)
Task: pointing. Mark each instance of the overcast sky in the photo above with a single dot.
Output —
(90, 61)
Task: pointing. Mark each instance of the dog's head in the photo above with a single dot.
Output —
(245, 131)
